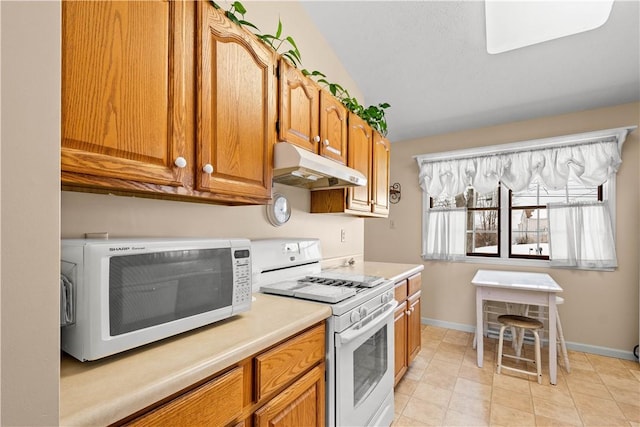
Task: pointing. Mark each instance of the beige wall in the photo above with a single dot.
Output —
(601, 308)
(30, 212)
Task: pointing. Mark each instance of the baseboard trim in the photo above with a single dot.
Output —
(585, 348)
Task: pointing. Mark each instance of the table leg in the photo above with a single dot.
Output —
(553, 356)
(479, 326)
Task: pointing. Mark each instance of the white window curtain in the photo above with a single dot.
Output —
(445, 234)
(581, 236)
(591, 163)
(580, 230)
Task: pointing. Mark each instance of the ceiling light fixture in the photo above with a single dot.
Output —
(515, 24)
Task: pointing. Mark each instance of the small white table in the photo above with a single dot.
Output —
(521, 288)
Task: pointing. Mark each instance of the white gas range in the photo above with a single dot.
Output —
(360, 354)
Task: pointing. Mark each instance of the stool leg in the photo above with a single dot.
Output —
(563, 345)
(538, 357)
(500, 342)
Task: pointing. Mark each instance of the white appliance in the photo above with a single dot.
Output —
(118, 294)
(360, 354)
(296, 166)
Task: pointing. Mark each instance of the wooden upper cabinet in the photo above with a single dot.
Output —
(359, 158)
(333, 128)
(123, 92)
(236, 108)
(380, 175)
(310, 117)
(299, 110)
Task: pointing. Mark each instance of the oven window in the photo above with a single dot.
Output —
(369, 365)
(150, 289)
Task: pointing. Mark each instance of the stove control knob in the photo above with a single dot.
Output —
(364, 311)
(355, 317)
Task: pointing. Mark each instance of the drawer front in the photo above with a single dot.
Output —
(415, 283)
(401, 291)
(216, 402)
(278, 366)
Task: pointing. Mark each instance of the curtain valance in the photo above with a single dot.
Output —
(591, 160)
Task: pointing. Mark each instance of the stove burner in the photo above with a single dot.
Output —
(357, 282)
(332, 282)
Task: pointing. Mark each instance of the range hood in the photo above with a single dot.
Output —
(301, 168)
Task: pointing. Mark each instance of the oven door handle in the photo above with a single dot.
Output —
(363, 327)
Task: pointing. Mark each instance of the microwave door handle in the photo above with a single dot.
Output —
(67, 306)
(378, 318)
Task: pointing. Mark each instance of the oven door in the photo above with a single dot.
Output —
(364, 370)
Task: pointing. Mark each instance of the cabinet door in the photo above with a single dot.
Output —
(215, 403)
(414, 330)
(123, 90)
(301, 404)
(299, 108)
(236, 108)
(400, 342)
(333, 128)
(381, 164)
(359, 158)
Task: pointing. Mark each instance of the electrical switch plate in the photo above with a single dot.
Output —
(343, 235)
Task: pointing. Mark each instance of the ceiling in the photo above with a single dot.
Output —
(428, 59)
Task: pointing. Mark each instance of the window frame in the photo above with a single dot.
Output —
(607, 192)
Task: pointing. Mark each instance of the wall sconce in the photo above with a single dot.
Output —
(395, 193)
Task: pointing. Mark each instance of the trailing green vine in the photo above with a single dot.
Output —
(236, 8)
(276, 42)
(374, 115)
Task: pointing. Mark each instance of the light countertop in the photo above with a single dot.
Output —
(105, 391)
(108, 390)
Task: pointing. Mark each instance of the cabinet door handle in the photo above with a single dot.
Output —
(207, 169)
(180, 162)
(326, 142)
(316, 138)
(408, 312)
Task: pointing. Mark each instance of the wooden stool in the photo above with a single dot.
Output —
(514, 321)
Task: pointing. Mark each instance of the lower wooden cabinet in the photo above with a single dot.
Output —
(283, 386)
(407, 325)
(302, 404)
(214, 403)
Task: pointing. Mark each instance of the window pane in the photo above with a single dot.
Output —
(529, 232)
(482, 232)
(486, 200)
(538, 195)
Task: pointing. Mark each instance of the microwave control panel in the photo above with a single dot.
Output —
(242, 276)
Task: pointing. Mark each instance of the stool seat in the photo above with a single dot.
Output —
(515, 321)
(520, 321)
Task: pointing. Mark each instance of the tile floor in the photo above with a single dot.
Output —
(444, 387)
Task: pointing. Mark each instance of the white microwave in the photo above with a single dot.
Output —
(119, 294)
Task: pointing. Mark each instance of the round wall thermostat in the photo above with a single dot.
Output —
(279, 211)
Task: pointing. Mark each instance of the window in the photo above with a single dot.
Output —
(527, 228)
(482, 236)
(528, 218)
(543, 202)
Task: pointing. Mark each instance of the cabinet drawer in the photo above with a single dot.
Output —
(278, 366)
(216, 402)
(401, 291)
(415, 283)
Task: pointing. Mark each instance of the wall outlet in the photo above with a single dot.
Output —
(343, 235)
